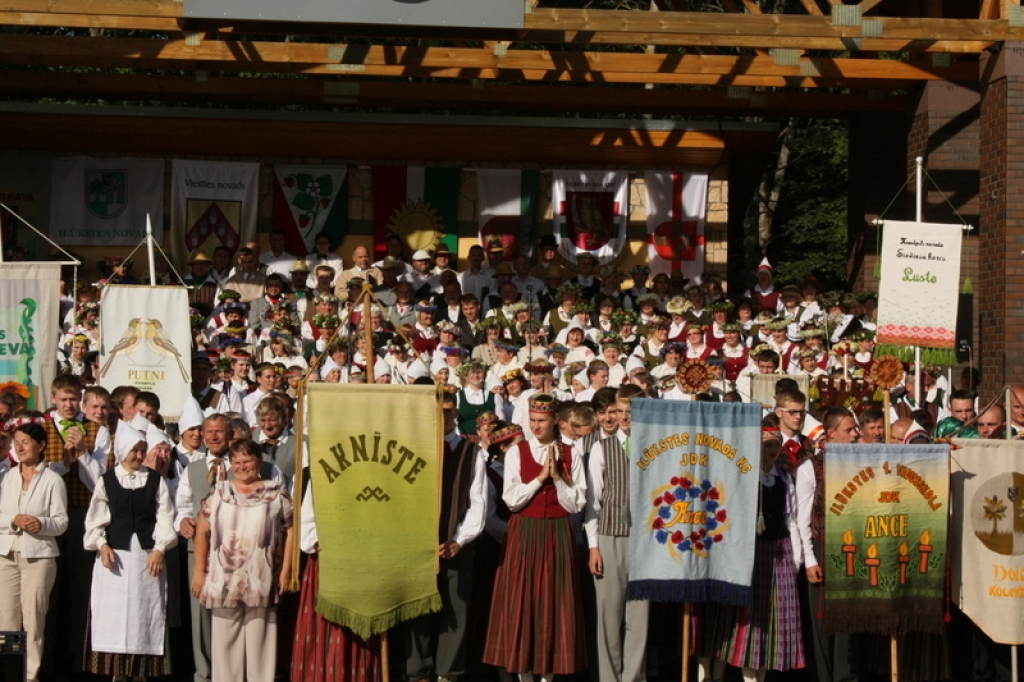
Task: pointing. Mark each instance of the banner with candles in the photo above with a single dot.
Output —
(886, 509)
(988, 525)
(693, 482)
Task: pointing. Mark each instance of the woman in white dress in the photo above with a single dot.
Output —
(33, 512)
(130, 525)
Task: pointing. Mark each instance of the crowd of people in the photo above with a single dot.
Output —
(133, 548)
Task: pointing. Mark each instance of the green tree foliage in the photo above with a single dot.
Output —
(809, 230)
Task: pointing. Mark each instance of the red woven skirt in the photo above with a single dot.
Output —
(324, 651)
(536, 622)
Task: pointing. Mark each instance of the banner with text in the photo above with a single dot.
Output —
(146, 343)
(920, 284)
(103, 202)
(213, 203)
(29, 310)
(591, 211)
(886, 509)
(376, 477)
(988, 532)
(693, 487)
(676, 205)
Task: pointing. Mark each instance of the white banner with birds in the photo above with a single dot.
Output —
(145, 343)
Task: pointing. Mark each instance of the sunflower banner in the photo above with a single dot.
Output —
(693, 486)
(146, 342)
(29, 311)
(987, 478)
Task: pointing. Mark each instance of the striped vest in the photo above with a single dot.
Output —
(614, 517)
(78, 494)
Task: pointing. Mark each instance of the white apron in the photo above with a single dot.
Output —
(128, 605)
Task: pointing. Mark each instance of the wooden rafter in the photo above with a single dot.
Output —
(456, 96)
(443, 62)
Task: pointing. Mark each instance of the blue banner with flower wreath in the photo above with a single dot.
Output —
(693, 488)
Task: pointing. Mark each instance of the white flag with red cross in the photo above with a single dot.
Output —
(676, 207)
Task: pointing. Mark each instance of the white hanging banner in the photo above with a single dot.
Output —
(591, 211)
(918, 292)
(213, 203)
(146, 343)
(676, 207)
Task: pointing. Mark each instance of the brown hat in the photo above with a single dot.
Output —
(494, 245)
(300, 266)
(503, 268)
(442, 250)
(199, 256)
(556, 271)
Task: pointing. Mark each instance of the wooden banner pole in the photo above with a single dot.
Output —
(895, 656)
(885, 408)
(371, 351)
(385, 666)
(686, 641)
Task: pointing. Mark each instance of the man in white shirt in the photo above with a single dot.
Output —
(277, 259)
(475, 280)
(424, 282)
(622, 625)
(323, 255)
(436, 640)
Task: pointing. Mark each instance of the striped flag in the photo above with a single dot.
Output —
(507, 202)
(676, 206)
(419, 204)
(309, 200)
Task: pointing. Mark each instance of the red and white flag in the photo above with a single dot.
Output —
(309, 200)
(591, 210)
(676, 205)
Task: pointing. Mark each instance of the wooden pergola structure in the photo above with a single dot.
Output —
(829, 59)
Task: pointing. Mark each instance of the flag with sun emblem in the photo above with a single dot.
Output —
(419, 204)
(213, 203)
(676, 206)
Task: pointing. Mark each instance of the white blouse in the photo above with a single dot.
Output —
(98, 517)
(518, 494)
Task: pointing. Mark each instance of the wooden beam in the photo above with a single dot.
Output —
(139, 8)
(318, 91)
(598, 38)
(451, 62)
(215, 136)
(868, 5)
(989, 9)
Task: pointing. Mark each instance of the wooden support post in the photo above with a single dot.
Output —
(895, 659)
(686, 641)
(385, 667)
(885, 408)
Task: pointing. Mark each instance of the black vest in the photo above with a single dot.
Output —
(132, 512)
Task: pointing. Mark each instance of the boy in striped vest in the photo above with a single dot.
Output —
(76, 449)
(621, 658)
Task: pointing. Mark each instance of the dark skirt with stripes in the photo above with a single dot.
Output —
(324, 651)
(766, 635)
(536, 622)
(126, 665)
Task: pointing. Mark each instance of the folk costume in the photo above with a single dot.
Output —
(536, 618)
(132, 512)
(621, 624)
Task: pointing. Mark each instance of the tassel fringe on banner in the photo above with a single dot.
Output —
(367, 626)
(688, 590)
(942, 357)
(889, 625)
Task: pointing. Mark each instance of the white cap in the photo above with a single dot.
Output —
(126, 439)
(191, 415)
(329, 365)
(582, 378)
(139, 423)
(634, 363)
(155, 437)
(813, 428)
(417, 370)
(421, 255)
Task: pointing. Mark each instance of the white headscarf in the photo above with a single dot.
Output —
(155, 437)
(139, 423)
(329, 365)
(126, 439)
(191, 415)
